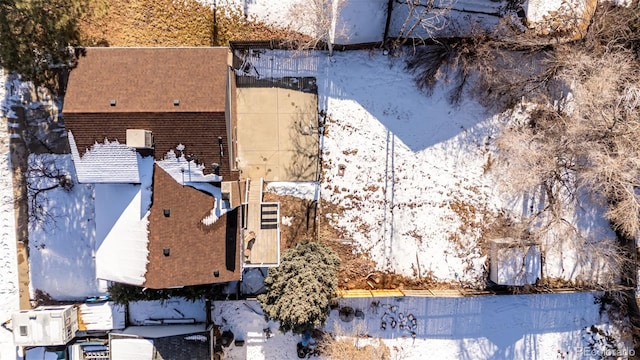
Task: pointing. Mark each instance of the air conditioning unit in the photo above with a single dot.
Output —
(139, 139)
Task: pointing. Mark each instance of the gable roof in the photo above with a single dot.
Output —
(197, 248)
(148, 80)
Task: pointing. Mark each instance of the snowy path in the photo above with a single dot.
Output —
(9, 295)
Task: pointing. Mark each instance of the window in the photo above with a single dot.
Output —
(23, 330)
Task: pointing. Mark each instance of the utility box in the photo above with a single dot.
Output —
(139, 139)
(515, 262)
(45, 325)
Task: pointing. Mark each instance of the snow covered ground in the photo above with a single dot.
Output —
(9, 295)
(411, 171)
(62, 255)
(553, 326)
(413, 183)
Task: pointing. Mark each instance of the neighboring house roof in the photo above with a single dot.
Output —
(162, 342)
(133, 76)
(193, 243)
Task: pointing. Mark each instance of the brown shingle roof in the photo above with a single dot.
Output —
(148, 79)
(196, 250)
(198, 132)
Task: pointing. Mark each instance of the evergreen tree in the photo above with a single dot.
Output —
(35, 36)
(300, 289)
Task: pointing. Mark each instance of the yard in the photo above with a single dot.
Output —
(408, 197)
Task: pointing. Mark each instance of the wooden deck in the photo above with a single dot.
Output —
(262, 233)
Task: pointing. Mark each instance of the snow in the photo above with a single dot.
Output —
(303, 190)
(132, 349)
(9, 295)
(121, 213)
(184, 171)
(412, 163)
(41, 353)
(160, 331)
(246, 321)
(141, 312)
(102, 316)
(286, 220)
(110, 162)
(489, 327)
(514, 264)
(61, 247)
(411, 170)
(363, 21)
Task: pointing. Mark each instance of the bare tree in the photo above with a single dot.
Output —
(316, 22)
(424, 18)
(43, 175)
(585, 141)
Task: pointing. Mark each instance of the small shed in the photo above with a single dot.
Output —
(45, 325)
(515, 262)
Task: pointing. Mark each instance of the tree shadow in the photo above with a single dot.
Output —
(418, 125)
(492, 327)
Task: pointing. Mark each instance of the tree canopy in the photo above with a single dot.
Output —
(300, 289)
(36, 35)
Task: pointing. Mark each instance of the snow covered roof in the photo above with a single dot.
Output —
(108, 162)
(515, 263)
(131, 349)
(101, 316)
(185, 171)
(160, 331)
(112, 80)
(121, 230)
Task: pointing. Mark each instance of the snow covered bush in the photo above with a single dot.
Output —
(300, 289)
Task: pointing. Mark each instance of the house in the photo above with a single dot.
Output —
(515, 263)
(45, 325)
(150, 128)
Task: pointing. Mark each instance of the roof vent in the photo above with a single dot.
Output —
(176, 102)
(139, 139)
(113, 102)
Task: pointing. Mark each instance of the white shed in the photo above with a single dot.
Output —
(45, 325)
(515, 262)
